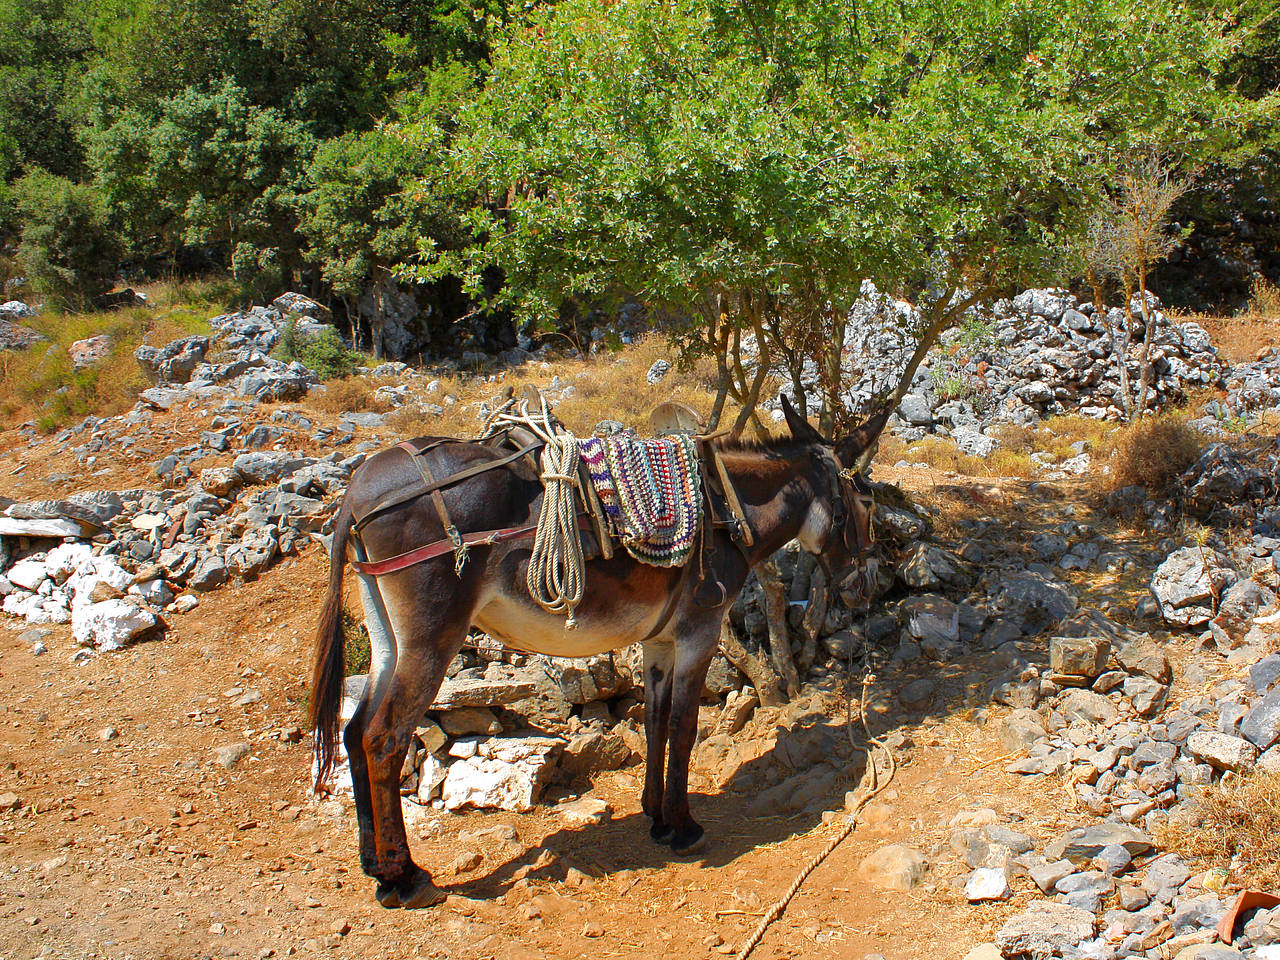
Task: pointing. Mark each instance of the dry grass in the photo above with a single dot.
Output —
(351, 395)
(607, 386)
(1153, 451)
(940, 453)
(39, 383)
(1264, 299)
(1235, 825)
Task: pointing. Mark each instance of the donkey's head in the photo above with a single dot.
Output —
(838, 528)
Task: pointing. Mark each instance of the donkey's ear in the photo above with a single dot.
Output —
(852, 445)
(799, 426)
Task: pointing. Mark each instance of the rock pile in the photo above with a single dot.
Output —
(1039, 354)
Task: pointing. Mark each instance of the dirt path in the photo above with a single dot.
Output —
(141, 846)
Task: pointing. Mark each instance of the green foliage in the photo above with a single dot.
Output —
(67, 249)
(364, 210)
(739, 158)
(325, 353)
(44, 45)
(355, 638)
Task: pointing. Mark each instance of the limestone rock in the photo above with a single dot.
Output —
(1079, 656)
(894, 867)
(1045, 929)
(1222, 750)
(1186, 583)
(111, 624)
(506, 773)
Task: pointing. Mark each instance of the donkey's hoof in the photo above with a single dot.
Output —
(388, 895)
(692, 839)
(413, 892)
(660, 833)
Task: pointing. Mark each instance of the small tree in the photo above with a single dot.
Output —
(748, 166)
(1149, 185)
(67, 247)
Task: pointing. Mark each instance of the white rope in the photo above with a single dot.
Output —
(555, 571)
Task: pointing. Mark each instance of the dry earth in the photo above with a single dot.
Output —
(136, 844)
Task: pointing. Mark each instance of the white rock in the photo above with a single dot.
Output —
(507, 773)
(430, 776)
(99, 570)
(111, 624)
(28, 574)
(66, 559)
(185, 603)
(986, 883)
(153, 591)
(55, 527)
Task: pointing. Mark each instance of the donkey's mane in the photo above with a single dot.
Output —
(784, 445)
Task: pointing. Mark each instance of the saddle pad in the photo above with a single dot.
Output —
(650, 491)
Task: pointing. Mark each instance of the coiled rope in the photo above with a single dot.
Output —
(554, 575)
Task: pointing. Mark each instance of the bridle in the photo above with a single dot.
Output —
(843, 481)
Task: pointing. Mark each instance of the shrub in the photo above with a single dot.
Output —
(325, 353)
(352, 395)
(1154, 451)
(68, 249)
(1264, 299)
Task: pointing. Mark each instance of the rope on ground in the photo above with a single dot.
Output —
(869, 787)
(555, 571)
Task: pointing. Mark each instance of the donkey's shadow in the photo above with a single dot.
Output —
(812, 754)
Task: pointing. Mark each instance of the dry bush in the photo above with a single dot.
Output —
(1264, 299)
(1234, 824)
(351, 395)
(1153, 452)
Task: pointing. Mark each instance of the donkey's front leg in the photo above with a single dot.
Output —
(693, 654)
(659, 663)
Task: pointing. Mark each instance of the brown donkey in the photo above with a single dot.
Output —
(802, 487)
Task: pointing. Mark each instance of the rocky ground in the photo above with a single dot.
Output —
(1058, 672)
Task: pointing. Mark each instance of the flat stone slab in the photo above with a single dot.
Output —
(479, 692)
(1045, 929)
(53, 527)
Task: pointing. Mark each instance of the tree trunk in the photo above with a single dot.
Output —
(815, 616)
(720, 346)
(1147, 374)
(754, 666)
(1119, 347)
(775, 604)
(833, 359)
(752, 397)
(940, 316)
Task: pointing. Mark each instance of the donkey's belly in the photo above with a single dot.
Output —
(536, 631)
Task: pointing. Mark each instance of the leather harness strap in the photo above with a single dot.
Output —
(403, 495)
(402, 561)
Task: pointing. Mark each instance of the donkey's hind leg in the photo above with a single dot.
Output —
(430, 618)
(659, 664)
(382, 665)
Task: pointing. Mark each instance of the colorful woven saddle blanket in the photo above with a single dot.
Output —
(650, 491)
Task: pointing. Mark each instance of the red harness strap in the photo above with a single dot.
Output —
(376, 568)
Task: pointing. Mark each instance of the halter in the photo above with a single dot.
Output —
(841, 478)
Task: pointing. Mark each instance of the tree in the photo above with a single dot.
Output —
(747, 166)
(212, 168)
(1134, 235)
(361, 211)
(67, 248)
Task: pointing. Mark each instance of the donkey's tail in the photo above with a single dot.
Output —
(330, 665)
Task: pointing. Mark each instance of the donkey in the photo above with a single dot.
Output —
(800, 487)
